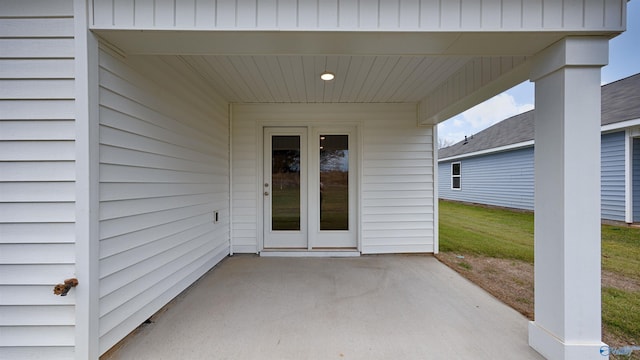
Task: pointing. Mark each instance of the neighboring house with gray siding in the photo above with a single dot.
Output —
(496, 165)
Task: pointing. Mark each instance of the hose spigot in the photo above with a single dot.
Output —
(63, 289)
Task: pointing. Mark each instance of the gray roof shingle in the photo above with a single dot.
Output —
(620, 102)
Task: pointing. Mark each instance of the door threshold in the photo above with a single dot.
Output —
(309, 253)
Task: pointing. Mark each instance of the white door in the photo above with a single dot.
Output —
(333, 180)
(310, 188)
(285, 188)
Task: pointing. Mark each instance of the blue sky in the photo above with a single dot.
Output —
(624, 61)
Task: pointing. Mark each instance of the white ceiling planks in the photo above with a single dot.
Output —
(296, 78)
(404, 72)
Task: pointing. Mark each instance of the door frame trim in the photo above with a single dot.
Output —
(310, 125)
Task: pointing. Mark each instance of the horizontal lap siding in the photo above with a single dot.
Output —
(397, 183)
(612, 177)
(501, 179)
(359, 14)
(636, 180)
(163, 172)
(396, 172)
(245, 177)
(37, 178)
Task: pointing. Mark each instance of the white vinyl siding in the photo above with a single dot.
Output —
(397, 182)
(37, 179)
(245, 181)
(396, 167)
(413, 15)
(163, 173)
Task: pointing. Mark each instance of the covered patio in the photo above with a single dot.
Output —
(139, 152)
(372, 307)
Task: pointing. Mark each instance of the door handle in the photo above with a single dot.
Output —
(266, 193)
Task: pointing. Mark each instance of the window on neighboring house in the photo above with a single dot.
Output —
(455, 176)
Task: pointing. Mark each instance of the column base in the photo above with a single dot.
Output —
(553, 348)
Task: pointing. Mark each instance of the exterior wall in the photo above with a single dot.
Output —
(501, 179)
(509, 15)
(37, 178)
(612, 176)
(396, 201)
(636, 180)
(506, 179)
(245, 172)
(397, 183)
(163, 172)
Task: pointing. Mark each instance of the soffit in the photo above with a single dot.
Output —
(296, 79)
(284, 66)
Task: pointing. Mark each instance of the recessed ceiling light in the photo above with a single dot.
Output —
(327, 76)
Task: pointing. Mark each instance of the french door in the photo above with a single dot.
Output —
(285, 188)
(309, 188)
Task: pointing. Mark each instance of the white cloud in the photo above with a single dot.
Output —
(492, 111)
(457, 122)
(481, 116)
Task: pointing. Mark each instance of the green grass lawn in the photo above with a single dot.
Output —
(285, 211)
(334, 208)
(507, 234)
(486, 231)
(285, 208)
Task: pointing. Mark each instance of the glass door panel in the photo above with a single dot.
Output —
(285, 182)
(334, 182)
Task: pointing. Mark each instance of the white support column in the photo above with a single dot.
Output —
(567, 199)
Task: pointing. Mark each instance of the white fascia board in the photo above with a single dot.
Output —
(620, 125)
(519, 145)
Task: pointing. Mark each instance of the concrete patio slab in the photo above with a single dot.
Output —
(371, 307)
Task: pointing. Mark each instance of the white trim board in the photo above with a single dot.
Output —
(87, 189)
(620, 125)
(515, 146)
